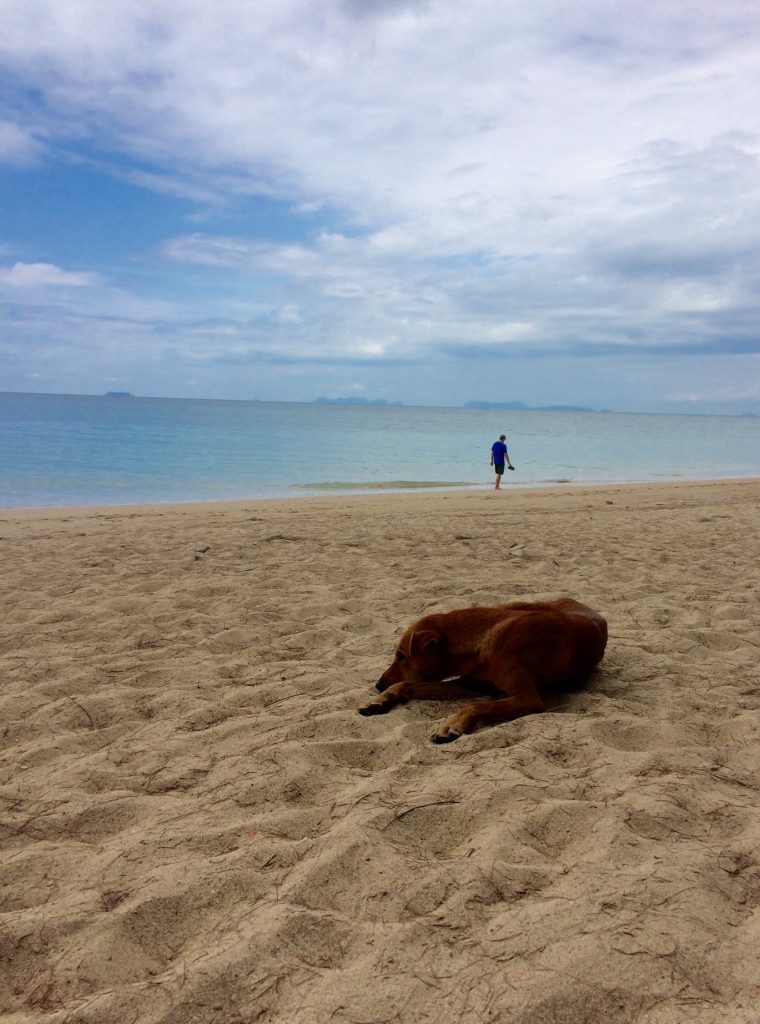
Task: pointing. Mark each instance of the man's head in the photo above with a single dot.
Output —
(502, 437)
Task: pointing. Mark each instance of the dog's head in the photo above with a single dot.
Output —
(419, 659)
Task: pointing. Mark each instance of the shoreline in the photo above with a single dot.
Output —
(518, 493)
(197, 825)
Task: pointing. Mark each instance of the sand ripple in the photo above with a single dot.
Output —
(196, 826)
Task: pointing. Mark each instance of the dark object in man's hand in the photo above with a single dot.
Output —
(511, 467)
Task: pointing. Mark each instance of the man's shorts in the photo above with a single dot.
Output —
(499, 467)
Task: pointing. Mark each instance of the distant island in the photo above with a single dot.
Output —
(474, 404)
(522, 405)
(354, 401)
(119, 394)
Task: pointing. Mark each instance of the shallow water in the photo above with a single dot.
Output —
(86, 450)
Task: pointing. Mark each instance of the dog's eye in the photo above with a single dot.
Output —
(400, 656)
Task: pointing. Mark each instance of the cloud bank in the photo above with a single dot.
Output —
(456, 200)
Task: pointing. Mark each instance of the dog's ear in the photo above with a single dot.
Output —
(425, 641)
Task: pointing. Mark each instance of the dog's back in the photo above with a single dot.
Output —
(559, 642)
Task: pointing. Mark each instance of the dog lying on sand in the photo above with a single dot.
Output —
(518, 652)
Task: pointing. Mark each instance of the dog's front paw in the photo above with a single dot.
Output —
(445, 734)
(374, 709)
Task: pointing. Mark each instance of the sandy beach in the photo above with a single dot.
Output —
(197, 826)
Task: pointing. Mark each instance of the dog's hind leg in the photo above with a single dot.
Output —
(400, 693)
(523, 699)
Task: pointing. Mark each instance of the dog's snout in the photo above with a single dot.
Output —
(389, 677)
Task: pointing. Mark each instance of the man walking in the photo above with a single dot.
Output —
(499, 455)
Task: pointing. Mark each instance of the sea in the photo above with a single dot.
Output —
(73, 450)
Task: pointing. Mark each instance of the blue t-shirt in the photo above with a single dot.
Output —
(499, 450)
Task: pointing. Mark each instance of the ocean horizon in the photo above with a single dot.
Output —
(73, 450)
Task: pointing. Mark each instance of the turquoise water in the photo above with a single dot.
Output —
(85, 450)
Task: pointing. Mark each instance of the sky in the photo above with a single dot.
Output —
(412, 200)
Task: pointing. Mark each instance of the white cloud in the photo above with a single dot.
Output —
(208, 251)
(17, 146)
(523, 177)
(43, 275)
(439, 112)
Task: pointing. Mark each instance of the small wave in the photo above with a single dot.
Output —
(386, 485)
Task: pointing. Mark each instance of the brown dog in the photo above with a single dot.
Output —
(520, 650)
